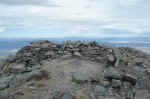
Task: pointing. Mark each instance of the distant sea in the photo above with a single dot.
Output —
(10, 47)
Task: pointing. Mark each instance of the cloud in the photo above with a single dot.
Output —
(28, 2)
(2, 29)
(92, 18)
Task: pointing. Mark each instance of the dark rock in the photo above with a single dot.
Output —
(129, 78)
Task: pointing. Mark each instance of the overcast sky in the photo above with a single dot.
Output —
(77, 18)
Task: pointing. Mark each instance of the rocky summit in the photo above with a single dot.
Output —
(75, 70)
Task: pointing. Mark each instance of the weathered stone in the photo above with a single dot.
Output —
(77, 54)
(17, 68)
(80, 78)
(116, 84)
(100, 89)
(45, 46)
(142, 94)
(106, 83)
(111, 58)
(11, 58)
(129, 78)
(139, 60)
(148, 70)
(50, 54)
(81, 95)
(110, 75)
(2, 63)
(67, 96)
(99, 58)
(38, 75)
(117, 56)
(4, 82)
(4, 94)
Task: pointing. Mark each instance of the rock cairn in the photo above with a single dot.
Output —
(125, 70)
(36, 52)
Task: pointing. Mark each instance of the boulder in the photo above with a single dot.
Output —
(129, 78)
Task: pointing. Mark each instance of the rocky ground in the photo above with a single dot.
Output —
(75, 70)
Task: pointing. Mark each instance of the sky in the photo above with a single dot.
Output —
(74, 18)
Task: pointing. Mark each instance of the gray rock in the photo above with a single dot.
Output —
(37, 75)
(139, 61)
(112, 75)
(4, 82)
(100, 89)
(34, 75)
(80, 94)
(111, 58)
(99, 58)
(106, 83)
(129, 78)
(77, 54)
(67, 96)
(17, 68)
(1, 63)
(148, 70)
(45, 45)
(116, 83)
(80, 77)
(11, 58)
(142, 94)
(117, 56)
(50, 54)
(4, 94)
